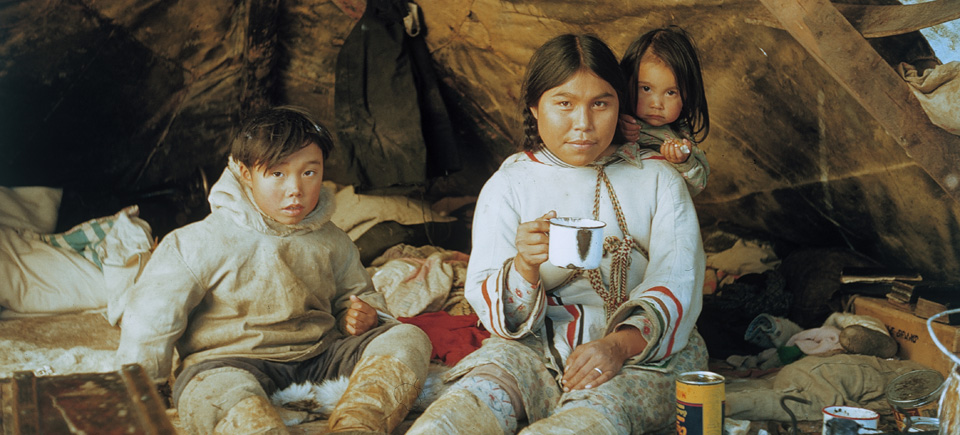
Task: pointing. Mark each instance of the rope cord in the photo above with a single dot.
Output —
(616, 294)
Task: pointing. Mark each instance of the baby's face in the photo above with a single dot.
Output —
(658, 96)
(290, 190)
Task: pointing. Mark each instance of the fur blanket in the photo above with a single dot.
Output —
(308, 401)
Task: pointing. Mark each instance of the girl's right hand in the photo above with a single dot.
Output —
(533, 245)
(629, 127)
(675, 150)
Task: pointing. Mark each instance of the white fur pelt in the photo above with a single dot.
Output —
(320, 399)
(43, 361)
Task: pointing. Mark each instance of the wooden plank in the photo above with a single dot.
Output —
(877, 21)
(23, 415)
(830, 39)
(149, 409)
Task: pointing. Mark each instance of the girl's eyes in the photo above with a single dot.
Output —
(671, 93)
(645, 88)
(567, 104)
(277, 174)
(310, 173)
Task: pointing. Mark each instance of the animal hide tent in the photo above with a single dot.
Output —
(820, 140)
(127, 101)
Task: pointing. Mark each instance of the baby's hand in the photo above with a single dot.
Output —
(629, 127)
(360, 316)
(675, 150)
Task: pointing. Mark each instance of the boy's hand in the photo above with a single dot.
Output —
(675, 150)
(533, 245)
(360, 317)
(629, 127)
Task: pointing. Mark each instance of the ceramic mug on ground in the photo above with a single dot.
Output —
(865, 418)
(576, 243)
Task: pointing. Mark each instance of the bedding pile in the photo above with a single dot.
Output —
(356, 213)
(87, 268)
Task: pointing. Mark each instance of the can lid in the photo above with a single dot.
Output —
(701, 378)
(915, 388)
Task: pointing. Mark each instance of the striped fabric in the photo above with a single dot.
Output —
(83, 238)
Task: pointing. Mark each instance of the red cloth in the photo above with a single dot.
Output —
(453, 337)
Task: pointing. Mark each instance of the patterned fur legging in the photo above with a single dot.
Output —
(652, 389)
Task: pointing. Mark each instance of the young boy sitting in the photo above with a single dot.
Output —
(266, 292)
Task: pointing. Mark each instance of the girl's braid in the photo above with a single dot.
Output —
(531, 134)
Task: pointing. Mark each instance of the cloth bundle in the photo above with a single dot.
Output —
(453, 337)
(938, 90)
(823, 341)
(768, 331)
(420, 282)
(842, 379)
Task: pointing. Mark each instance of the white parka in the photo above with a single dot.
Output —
(239, 284)
(665, 279)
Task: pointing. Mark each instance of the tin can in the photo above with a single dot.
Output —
(914, 394)
(700, 403)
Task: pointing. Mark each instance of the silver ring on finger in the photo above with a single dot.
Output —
(598, 370)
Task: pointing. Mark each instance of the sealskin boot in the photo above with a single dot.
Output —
(380, 393)
(214, 396)
(457, 412)
(573, 421)
(252, 415)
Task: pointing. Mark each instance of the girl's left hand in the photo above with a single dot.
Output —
(592, 364)
(675, 150)
(629, 127)
(360, 318)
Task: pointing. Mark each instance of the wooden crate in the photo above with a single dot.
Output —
(911, 334)
(121, 402)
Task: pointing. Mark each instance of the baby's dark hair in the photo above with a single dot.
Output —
(553, 64)
(676, 48)
(272, 135)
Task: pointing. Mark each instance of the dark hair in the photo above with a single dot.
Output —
(675, 47)
(274, 134)
(553, 64)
